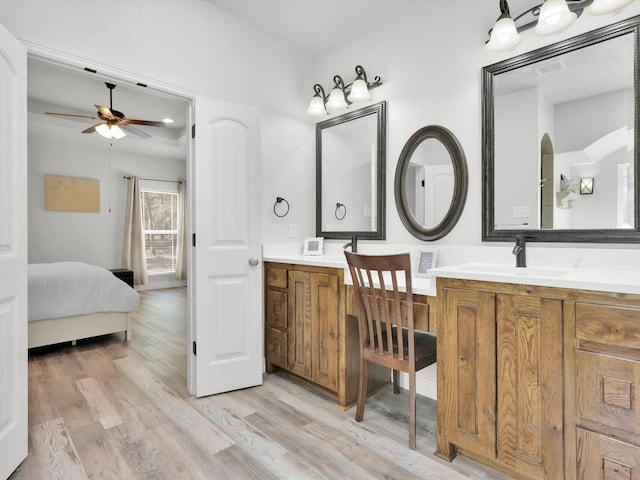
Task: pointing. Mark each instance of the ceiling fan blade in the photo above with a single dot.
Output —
(135, 131)
(91, 129)
(149, 123)
(71, 115)
(105, 112)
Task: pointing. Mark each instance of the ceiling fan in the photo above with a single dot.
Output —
(114, 123)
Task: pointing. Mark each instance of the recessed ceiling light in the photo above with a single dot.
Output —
(167, 120)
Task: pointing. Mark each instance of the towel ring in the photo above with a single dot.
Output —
(280, 200)
(344, 209)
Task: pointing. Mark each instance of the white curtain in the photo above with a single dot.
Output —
(133, 256)
(181, 251)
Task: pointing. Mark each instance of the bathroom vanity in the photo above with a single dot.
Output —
(538, 370)
(311, 328)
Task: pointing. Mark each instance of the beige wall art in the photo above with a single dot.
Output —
(71, 194)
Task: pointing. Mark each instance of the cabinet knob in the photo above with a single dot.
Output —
(253, 261)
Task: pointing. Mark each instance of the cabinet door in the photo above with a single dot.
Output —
(604, 458)
(300, 323)
(466, 372)
(529, 381)
(324, 318)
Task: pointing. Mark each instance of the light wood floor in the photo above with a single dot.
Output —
(109, 409)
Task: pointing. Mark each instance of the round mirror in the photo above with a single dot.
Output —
(431, 182)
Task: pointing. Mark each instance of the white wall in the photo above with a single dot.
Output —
(88, 237)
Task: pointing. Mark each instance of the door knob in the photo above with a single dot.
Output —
(253, 261)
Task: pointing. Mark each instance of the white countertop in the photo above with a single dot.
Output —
(420, 285)
(617, 281)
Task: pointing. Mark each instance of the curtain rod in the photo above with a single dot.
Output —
(154, 179)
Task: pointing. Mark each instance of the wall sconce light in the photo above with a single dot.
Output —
(341, 95)
(586, 186)
(553, 16)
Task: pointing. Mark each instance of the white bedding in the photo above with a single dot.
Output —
(63, 289)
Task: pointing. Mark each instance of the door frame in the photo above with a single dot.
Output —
(47, 53)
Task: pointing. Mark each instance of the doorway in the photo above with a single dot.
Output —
(57, 145)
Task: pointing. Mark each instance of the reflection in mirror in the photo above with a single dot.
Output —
(431, 182)
(350, 173)
(553, 117)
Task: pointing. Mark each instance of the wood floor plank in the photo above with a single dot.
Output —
(180, 412)
(59, 459)
(102, 410)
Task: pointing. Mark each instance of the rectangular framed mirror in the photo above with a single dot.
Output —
(350, 174)
(552, 118)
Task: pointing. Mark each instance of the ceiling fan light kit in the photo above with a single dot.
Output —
(114, 124)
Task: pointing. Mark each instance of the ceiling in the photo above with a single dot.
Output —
(53, 88)
(311, 25)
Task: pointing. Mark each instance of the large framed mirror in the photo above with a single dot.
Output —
(350, 174)
(560, 141)
(431, 182)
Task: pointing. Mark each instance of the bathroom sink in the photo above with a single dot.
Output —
(515, 271)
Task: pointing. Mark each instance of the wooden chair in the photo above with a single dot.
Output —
(384, 313)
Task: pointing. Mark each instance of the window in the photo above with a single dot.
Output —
(160, 213)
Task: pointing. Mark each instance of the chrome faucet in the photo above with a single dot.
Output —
(520, 251)
(353, 244)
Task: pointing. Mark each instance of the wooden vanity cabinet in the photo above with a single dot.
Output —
(307, 332)
(500, 381)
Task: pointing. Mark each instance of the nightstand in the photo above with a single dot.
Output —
(124, 274)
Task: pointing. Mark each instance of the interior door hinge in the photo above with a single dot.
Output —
(194, 348)
(193, 239)
(193, 131)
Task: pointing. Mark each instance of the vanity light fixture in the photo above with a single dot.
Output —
(549, 17)
(341, 95)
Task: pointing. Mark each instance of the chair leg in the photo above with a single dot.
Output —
(412, 411)
(396, 384)
(362, 389)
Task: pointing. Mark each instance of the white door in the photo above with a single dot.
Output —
(13, 253)
(226, 261)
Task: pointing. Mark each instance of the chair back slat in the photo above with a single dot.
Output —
(381, 320)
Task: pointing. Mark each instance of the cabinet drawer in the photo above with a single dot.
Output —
(603, 457)
(277, 347)
(608, 324)
(606, 390)
(277, 277)
(276, 309)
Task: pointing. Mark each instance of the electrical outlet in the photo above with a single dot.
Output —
(520, 212)
(292, 230)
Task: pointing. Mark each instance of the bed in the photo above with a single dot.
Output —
(69, 301)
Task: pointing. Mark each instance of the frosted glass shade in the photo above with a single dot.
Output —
(110, 132)
(504, 36)
(554, 17)
(359, 91)
(602, 7)
(316, 107)
(336, 100)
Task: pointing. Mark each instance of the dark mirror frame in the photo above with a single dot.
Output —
(380, 110)
(489, 233)
(461, 182)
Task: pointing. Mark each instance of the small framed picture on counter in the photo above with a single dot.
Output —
(426, 260)
(313, 246)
